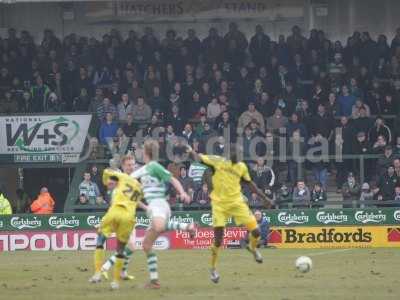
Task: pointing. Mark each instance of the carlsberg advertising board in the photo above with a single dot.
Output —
(43, 138)
(279, 218)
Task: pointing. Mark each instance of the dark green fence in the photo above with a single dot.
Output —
(306, 217)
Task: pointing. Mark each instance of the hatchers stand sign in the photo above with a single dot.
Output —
(145, 11)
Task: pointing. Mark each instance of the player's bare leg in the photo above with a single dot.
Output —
(157, 227)
(98, 259)
(128, 252)
(191, 228)
(215, 248)
(254, 237)
(119, 264)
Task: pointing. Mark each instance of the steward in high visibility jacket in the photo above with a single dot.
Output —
(44, 203)
(5, 207)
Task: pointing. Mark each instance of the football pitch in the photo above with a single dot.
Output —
(337, 274)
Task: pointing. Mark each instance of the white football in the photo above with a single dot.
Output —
(303, 264)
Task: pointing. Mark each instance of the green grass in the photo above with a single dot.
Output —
(337, 274)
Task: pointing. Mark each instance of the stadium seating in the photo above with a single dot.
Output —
(226, 88)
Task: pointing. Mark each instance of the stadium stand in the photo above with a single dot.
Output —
(309, 93)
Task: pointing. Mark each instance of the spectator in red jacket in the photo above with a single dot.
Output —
(44, 203)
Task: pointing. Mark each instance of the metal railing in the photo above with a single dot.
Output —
(300, 159)
(278, 205)
(360, 161)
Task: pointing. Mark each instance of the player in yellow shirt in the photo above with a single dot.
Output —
(227, 201)
(120, 217)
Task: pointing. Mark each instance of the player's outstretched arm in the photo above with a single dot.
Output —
(254, 189)
(107, 173)
(141, 205)
(193, 154)
(179, 188)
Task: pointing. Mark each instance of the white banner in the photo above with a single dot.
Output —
(41, 138)
(151, 11)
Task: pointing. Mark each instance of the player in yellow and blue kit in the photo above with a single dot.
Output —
(120, 217)
(227, 201)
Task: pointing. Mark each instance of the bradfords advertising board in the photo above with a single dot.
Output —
(335, 237)
(43, 138)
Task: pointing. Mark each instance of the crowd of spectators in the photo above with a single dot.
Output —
(229, 88)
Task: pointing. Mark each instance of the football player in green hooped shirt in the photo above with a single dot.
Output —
(154, 179)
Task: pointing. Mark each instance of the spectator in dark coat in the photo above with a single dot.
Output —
(40, 92)
(385, 160)
(188, 133)
(301, 195)
(202, 196)
(380, 128)
(378, 147)
(396, 198)
(366, 195)
(346, 102)
(347, 136)
(186, 182)
(388, 105)
(260, 47)
(368, 51)
(9, 104)
(283, 197)
(318, 196)
(362, 148)
(350, 191)
(129, 128)
(363, 122)
(192, 43)
(175, 119)
(226, 126)
(319, 163)
(322, 122)
(387, 184)
(234, 34)
(333, 107)
(263, 175)
(296, 149)
(396, 165)
(296, 124)
(213, 47)
(396, 147)
(108, 129)
(266, 105)
(248, 138)
(82, 102)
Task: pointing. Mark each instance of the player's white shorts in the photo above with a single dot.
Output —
(159, 208)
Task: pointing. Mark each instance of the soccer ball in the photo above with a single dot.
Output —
(303, 264)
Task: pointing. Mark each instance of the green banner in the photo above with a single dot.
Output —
(307, 217)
